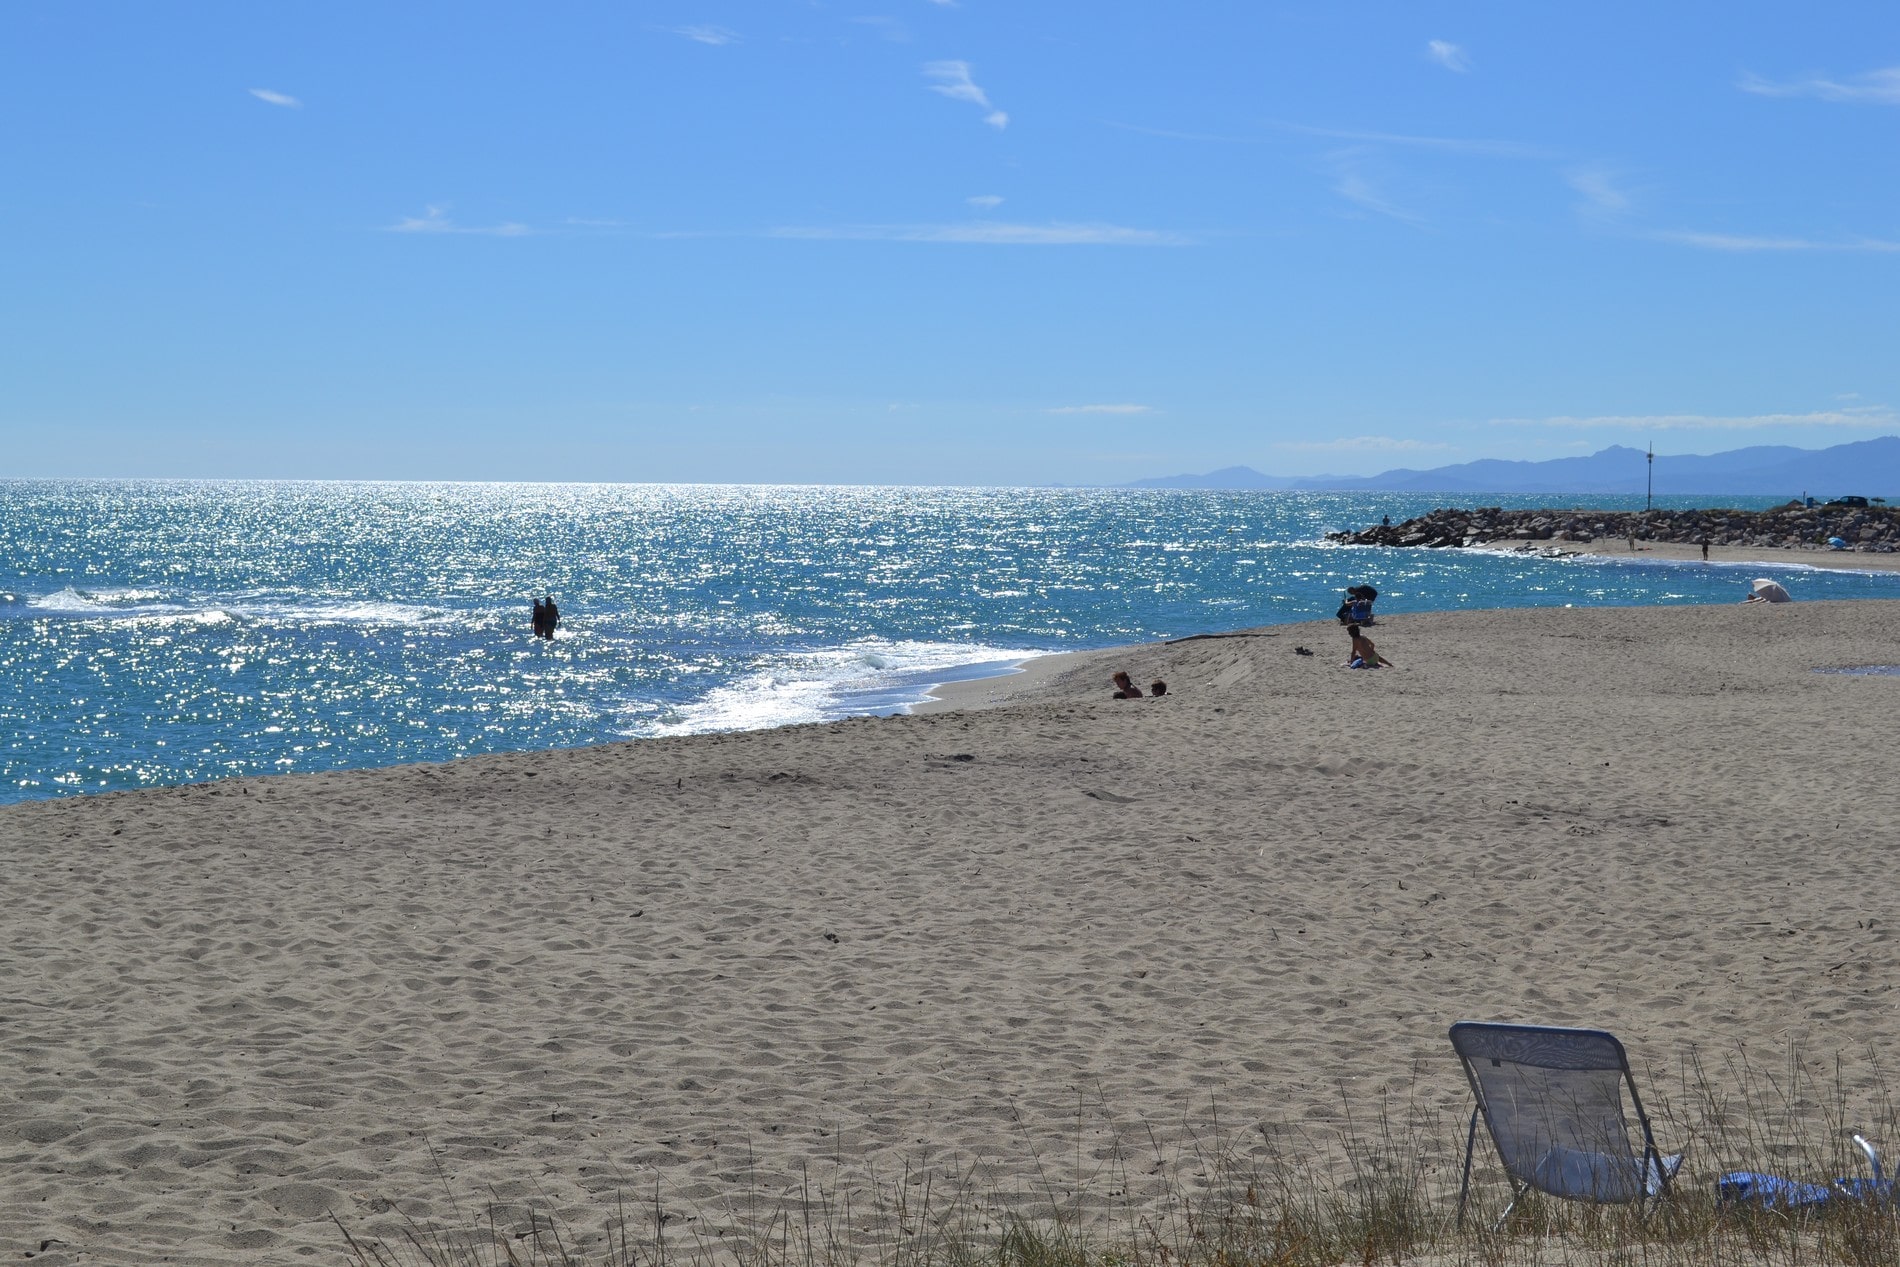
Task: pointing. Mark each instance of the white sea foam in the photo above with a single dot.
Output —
(356, 613)
(144, 604)
(866, 677)
(105, 602)
(1751, 566)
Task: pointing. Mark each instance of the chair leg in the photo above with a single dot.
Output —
(1517, 1191)
(1464, 1188)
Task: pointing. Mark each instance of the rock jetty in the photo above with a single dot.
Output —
(1869, 529)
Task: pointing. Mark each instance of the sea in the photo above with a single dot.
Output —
(164, 632)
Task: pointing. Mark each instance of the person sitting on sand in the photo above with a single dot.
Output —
(1125, 687)
(1364, 654)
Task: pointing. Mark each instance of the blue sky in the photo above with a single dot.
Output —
(929, 242)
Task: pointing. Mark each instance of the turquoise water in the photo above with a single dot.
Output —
(166, 632)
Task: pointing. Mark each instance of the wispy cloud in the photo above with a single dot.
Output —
(277, 98)
(1363, 444)
(991, 233)
(1448, 55)
(1743, 243)
(1599, 190)
(1173, 135)
(714, 35)
(1353, 182)
(953, 81)
(1450, 144)
(1101, 409)
(1881, 87)
(436, 220)
(1869, 416)
(1477, 147)
(890, 28)
(985, 202)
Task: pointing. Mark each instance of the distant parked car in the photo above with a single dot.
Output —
(1846, 501)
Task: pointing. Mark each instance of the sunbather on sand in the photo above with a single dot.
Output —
(1125, 687)
(1364, 654)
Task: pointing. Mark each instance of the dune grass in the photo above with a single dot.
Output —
(1376, 1189)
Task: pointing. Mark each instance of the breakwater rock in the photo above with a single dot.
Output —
(1871, 529)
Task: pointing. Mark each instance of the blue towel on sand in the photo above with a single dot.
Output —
(1773, 1192)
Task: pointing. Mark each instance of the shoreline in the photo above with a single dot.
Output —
(1032, 672)
(1677, 552)
(702, 966)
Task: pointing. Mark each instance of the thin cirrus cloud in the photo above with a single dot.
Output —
(277, 98)
(1101, 409)
(1448, 55)
(436, 220)
(991, 233)
(1363, 444)
(1879, 87)
(1598, 189)
(985, 202)
(1476, 146)
(1870, 416)
(1741, 243)
(713, 35)
(952, 79)
(1353, 181)
(890, 29)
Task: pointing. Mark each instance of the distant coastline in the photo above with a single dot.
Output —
(1864, 467)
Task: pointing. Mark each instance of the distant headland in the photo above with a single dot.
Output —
(1862, 467)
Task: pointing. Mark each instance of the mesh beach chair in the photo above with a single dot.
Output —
(1553, 1100)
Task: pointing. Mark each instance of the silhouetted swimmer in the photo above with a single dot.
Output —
(552, 617)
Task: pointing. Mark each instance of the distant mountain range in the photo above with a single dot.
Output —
(1864, 467)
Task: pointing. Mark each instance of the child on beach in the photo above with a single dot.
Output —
(1125, 687)
(1364, 654)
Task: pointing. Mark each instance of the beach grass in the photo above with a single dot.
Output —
(1378, 1188)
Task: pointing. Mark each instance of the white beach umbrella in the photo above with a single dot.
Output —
(1770, 591)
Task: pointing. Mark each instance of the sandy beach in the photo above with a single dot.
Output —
(1032, 925)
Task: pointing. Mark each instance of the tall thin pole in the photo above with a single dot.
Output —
(1649, 493)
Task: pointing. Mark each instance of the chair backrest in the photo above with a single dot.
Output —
(1553, 1101)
